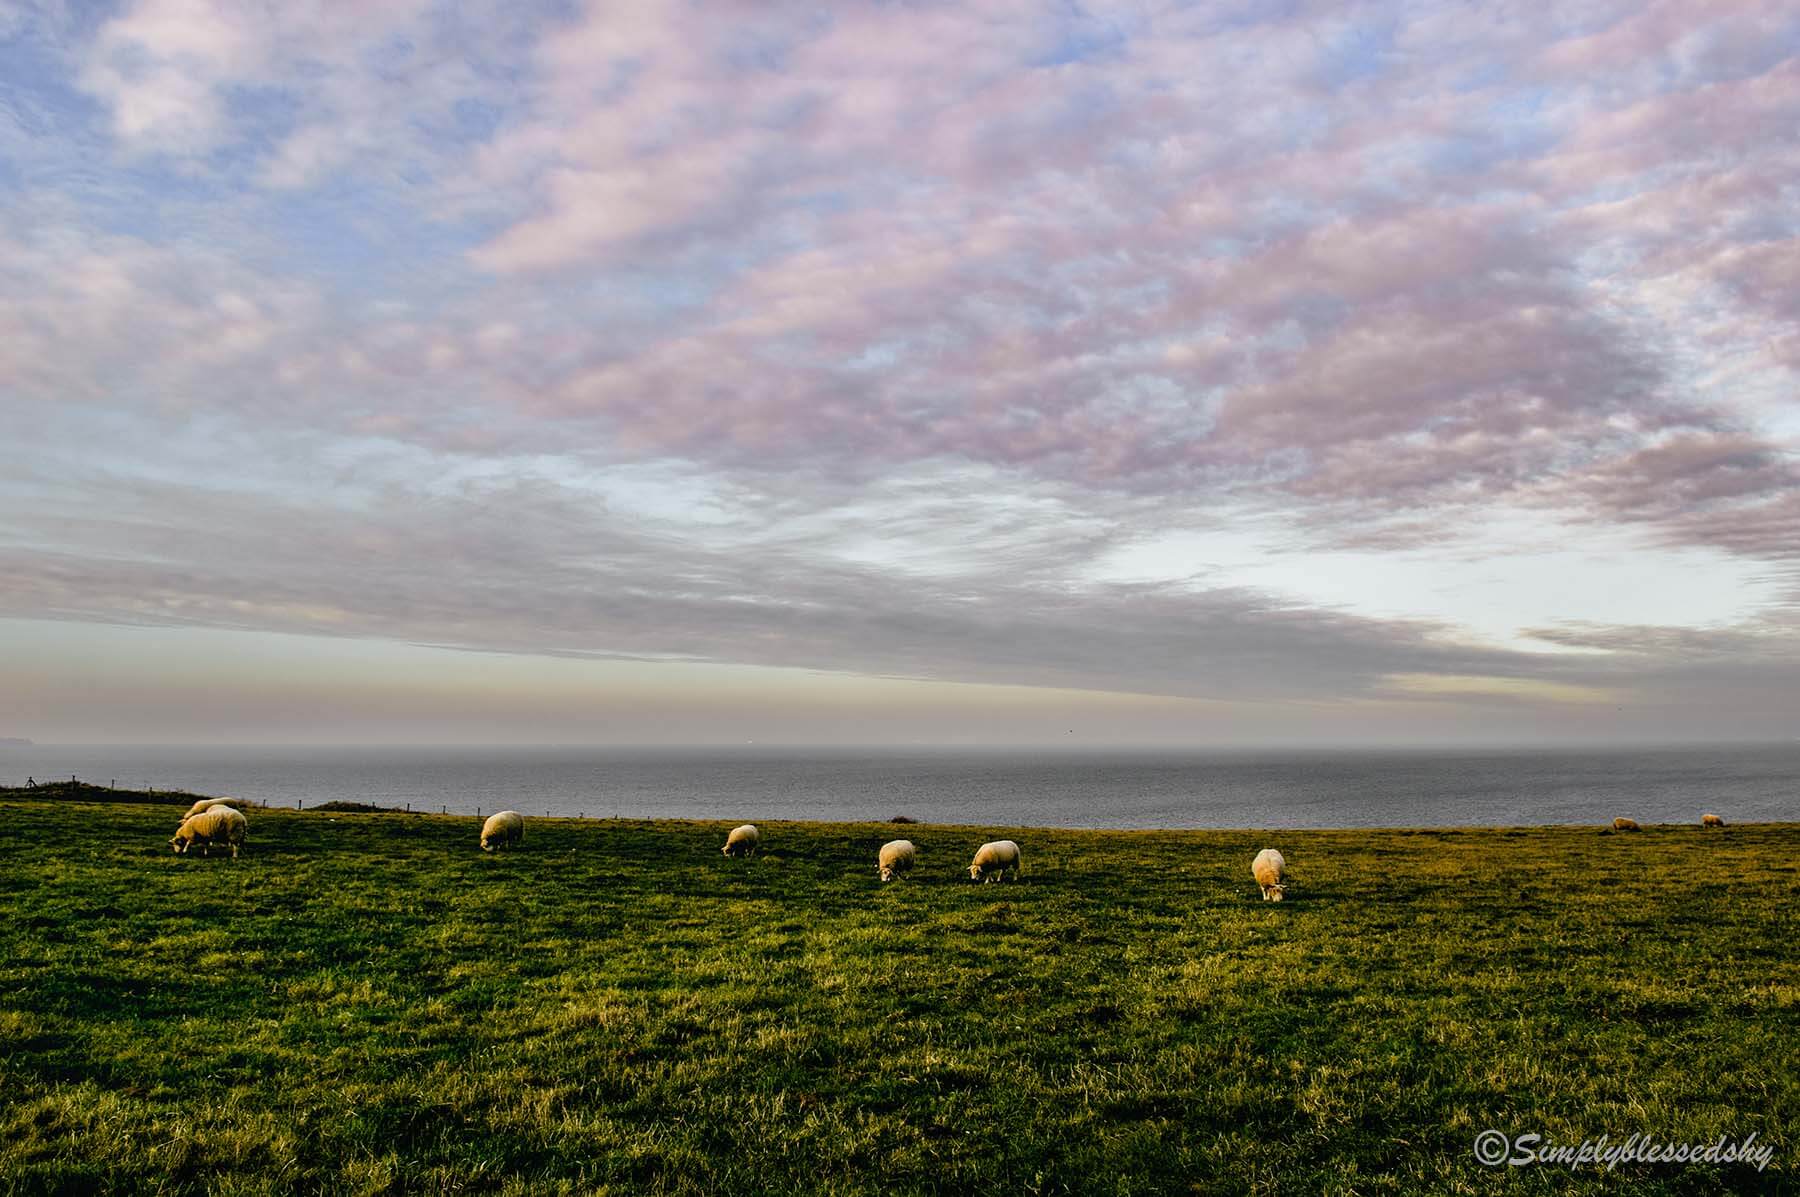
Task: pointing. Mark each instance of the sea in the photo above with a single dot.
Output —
(1012, 787)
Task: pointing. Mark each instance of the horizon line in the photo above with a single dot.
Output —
(937, 745)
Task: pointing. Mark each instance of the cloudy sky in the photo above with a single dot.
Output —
(1212, 373)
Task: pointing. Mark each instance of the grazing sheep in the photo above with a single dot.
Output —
(1623, 824)
(502, 829)
(1711, 820)
(208, 804)
(993, 859)
(215, 825)
(742, 841)
(1269, 868)
(897, 857)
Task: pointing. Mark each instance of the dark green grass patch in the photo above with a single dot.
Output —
(368, 1003)
(74, 790)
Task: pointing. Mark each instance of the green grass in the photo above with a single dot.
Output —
(367, 1003)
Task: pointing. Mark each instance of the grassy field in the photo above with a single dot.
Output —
(367, 1003)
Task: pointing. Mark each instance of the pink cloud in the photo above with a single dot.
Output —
(1217, 251)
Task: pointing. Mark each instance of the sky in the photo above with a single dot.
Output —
(1206, 374)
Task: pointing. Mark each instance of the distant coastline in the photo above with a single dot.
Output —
(14, 742)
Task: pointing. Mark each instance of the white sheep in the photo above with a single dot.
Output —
(1623, 824)
(208, 804)
(743, 841)
(993, 859)
(897, 857)
(215, 825)
(1269, 868)
(503, 829)
(1711, 820)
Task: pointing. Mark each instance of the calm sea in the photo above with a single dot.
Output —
(1060, 789)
